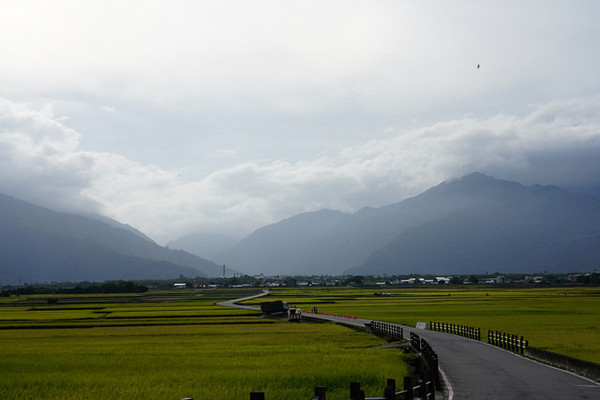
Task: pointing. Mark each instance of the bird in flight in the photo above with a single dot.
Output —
(477, 66)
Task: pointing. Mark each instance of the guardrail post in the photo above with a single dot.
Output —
(422, 387)
(355, 392)
(431, 389)
(390, 390)
(257, 396)
(320, 392)
(521, 345)
(408, 388)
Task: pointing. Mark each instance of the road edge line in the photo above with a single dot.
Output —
(447, 383)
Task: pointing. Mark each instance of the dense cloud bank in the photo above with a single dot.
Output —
(41, 161)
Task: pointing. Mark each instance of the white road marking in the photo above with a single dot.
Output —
(448, 385)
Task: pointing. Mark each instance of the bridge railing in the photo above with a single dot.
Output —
(429, 356)
(508, 341)
(391, 331)
(461, 330)
(501, 339)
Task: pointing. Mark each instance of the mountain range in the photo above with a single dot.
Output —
(469, 225)
(207, 245)
(40, 245)
(473, 224)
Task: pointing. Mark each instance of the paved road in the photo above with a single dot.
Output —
(233, 303)
(477, 370)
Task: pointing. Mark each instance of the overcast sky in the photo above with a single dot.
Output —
(224, 116)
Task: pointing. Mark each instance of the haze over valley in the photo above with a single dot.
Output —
(473, 224)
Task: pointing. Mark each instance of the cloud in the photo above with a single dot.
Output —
(40, 161)
(108, 109)
(297, 58)
(222, 153)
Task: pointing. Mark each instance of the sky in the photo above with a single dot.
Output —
(222, 117)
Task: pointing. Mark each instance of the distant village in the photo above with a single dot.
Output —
(382, 281)
(379, 283)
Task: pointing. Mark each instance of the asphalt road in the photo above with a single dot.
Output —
(233, 303)
(477, 370)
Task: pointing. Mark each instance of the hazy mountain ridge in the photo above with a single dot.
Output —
(546, 229)
(468, 225)
(276, 248)
(203, 244)
(38, 244)
(484, 221)
(117, 224)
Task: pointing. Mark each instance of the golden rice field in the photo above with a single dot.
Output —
(561, 320)
(172, 346)
(82, 349)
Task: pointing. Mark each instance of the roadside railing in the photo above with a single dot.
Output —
(424, 389)
(431, 359)
(415, 341)
(391, 331)
(461, 330)
(508, 341)
(429, 356)
(501, 339)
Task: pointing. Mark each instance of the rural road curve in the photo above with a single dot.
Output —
(477, 370)
(232, 303)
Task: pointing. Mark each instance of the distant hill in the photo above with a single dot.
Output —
(538, 228)
(592, 191)
(203, 244)
(472, 224)
(117, 224)
(287, 247)
(38, 245)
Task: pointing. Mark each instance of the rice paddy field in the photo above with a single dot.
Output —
(181, 344)
(561, 320)
(174, 346)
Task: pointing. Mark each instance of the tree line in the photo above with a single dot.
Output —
(90, 288)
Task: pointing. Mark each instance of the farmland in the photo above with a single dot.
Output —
(561, 320)
(177, 346)
(174, 345)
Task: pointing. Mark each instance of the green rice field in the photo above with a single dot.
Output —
(103, 347)
(561, 320)
(175, 345)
